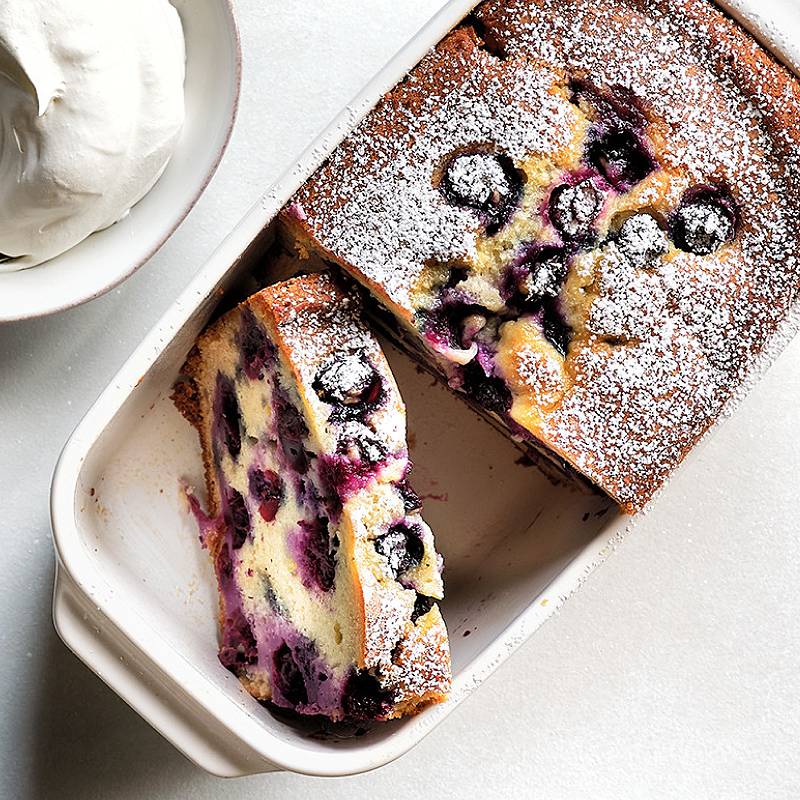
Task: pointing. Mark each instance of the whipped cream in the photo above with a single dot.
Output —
(91, 108)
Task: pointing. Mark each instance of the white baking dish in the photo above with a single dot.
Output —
(135, 596)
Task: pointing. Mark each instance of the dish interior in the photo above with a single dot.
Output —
(505, 529)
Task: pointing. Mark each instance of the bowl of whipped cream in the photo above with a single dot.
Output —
(113, 119)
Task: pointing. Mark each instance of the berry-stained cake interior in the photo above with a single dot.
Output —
(327, 573)
(584, 216)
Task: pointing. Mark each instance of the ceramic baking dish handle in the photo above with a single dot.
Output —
(81, 629)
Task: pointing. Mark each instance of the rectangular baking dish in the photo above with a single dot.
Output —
(135, 596)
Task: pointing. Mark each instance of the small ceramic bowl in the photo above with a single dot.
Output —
(105, 259)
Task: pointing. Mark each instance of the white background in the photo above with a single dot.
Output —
(674, 673)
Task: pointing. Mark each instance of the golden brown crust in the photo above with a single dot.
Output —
(421, 666)
(298, 296)
(194, 402)
(185, 394)
(298, 232)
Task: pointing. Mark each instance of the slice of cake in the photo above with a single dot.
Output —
(584, 216)
(327, 573)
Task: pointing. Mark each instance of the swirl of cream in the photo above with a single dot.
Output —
(91, 108)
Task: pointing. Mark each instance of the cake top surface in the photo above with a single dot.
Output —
(727, 109)
(315, 318)
(661, 349)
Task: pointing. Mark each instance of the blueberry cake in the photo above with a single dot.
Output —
(583, 216)
(327, 573)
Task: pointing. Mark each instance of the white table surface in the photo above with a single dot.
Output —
(674, 672)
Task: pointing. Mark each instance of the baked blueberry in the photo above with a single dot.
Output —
(485, 182)
(422, 605)
(358, 443)
(316, 554)
(364, 698)
(292, 430)
(348, 380)
(287, 677)
(621, 157)
(237, 517)
(256, 349)
(239, 648)
(613, 105)
(573, 210)
(555, 329)
(402, 547)
(705, 220)
(642, 240)
(411, 500)
(489, 391)
(540, 273)
(267, 489)
(452, 323)
(227, 419)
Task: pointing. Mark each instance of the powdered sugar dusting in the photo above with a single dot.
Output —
(630, 304)
(375, 203)
(668, 335)
(729, 115)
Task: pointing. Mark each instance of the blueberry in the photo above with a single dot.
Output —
(287, 677)
(485, 182)
(318, 554)
(555, 329)
(422, 605)
(364, 698)
(616, 147)
(357, 459)
(621, 157)
(642, 240)
(613, 105)
(257, 350)
(402, 547)
(348, 380)
(236, 515)
(573, 210)
(227, 419)
(438, 328)
(540, 273)
(267, 490)
(411, 501)
(239, 648)
(359, 444)
(705, 220)
(489, 391)
(448, 325)
(291, 428)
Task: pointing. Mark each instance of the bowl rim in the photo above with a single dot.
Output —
(190, 203)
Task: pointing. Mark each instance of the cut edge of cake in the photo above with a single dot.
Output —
(310, 511)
